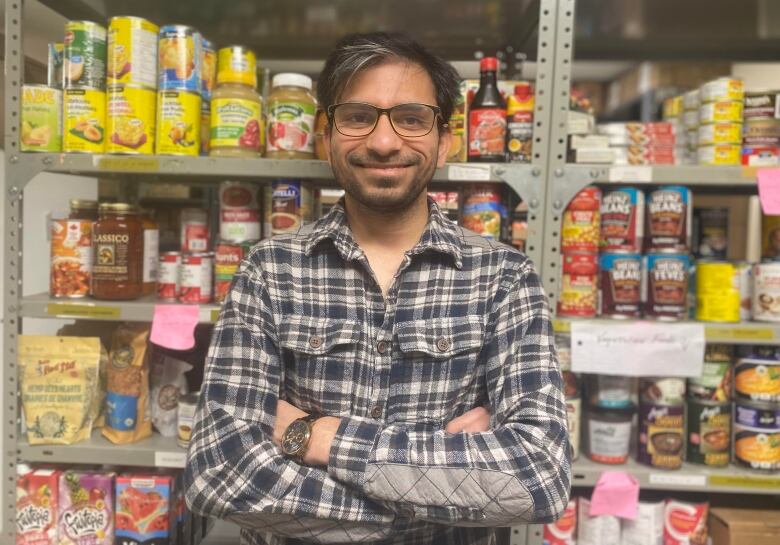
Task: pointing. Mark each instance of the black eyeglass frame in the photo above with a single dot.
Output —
(381, 111)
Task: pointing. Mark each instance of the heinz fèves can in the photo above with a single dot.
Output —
(666, 285)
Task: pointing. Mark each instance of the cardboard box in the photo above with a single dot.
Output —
(744, 526)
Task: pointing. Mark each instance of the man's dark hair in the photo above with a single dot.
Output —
(358, 52)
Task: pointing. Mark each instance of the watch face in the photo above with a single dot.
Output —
(295, 438)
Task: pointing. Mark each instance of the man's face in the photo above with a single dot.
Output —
(383, 171)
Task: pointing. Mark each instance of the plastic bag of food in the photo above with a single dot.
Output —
(168, 385)
(59, 385)
(128, 414)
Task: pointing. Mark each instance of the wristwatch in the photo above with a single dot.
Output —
(296, 438)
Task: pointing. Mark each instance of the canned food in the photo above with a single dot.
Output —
(178, 123)
(766, 292)
(673, 107)
(757, 415)
(132, 52)
(721, 112)
(291, 204)
(622, 219)
(205, 127)
(690, 120)
(71, 258)
(563, 350)
(239, 212)
(762, 105)
(573, 417)
(684, 523)
(168, 276)
(54, 65)
(611, 391)
(757, 448)
(84, 118)
(757, 378)
(719, 154)
(227, 258)
(84, 55)
(662, 390)
(194, 230)
(608, 433)
(714, 384)
(483, 210)
(661, 435)
(579, 285)
(563, 530)
(571, 384)
(708, 429)
(178, 59)
(208, 69)
(761, 132)
(710, 232)
(669, 218)
(195, 278)
(185, 413)
(666, 285)
(691, 100)
(131, 120)
(722, 89)
(41, 128)
(720, 289)
(620, 289)
(581, 222)
(760, 156)
(720, 133)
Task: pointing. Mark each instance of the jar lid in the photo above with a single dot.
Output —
(118, 208)
(83, 203)
(626, 411)
(292, 80)
(237, 64)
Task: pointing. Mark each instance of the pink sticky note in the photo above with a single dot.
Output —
(616, 493)
(173, 326)
(769, 190)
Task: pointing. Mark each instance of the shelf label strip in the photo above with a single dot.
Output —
(170, 459)
(745, 481)
(83, 311)
(631, 174)
(724, 334)
(678, 479)
(127, 164)
(469, 173)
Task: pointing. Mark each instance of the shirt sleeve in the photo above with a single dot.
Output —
(519, 472)
(234, 470)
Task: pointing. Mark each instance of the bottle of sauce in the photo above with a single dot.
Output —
(151, 251)
(487, 117)
(520, 124)
(291, 110)
(236, 107)
(82, 209)
(118, 239)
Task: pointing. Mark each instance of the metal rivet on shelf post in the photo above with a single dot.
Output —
(557, 205)
(48, 160)
(594, 173)
(500, 171)
(536, 172)
(14, 158)
(558, 172)
(12, 191)
(534, 203)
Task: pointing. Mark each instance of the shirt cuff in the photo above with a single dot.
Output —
(351, 449)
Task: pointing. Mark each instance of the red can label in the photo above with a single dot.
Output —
(227, 258)
(622, 220)
(578, 295)
(487, 132)
(168, 275)
(562, 531)
(580, 263)
(581, 221)
(685, 523)
(195, 279)
(669, 216)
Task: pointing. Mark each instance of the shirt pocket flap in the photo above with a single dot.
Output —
(441, 337)
(316, 335)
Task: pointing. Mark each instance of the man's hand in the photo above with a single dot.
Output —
(474, 421)
(323, 432)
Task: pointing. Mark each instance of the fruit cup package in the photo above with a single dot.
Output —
(86, 508)
(144, 513)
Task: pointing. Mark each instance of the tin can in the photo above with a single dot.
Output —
(563, 350)
(714, 384)
(757, 378)
(581, 222)
(239, 212)
(692, 100)
(195, 278)
(611, 391)
(761, 132)
(84, 119)
(208, 69)
(720, 289)
(762, 105)
(205, 127)
(132, 52)
(185, 417)
(178, 123)
(622, 219)
(579, 285)
(620, 289)
(227, 258)
(41, 128)
(673, 107)
(71, 258)
(690, 120)
(84, 55)
(721, 112)
(757, 415)
(571, 384)
(760, 156)
(563, 530)
(708, 430)
(483, 211)
(661, 435)
(720, 133)
(291, 205)
(608, 434)
(130, 122)
(194, 230)
(757, 448)
(54, 73)
(573, 418)
(666, 285)
(662, 390)
(722, 89)
(710, 232)
(669, 218)
(766, 292)
(719, 154)
(179, 59)
(168, 276)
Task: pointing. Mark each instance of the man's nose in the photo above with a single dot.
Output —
(383, 139)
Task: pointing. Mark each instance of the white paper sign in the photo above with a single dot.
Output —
(631, 174)
(637, 349)
(469, 173)
(170, 459)
(678, 479)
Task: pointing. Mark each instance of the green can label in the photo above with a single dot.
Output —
(84, 62)
(41, 119)
(709, 433)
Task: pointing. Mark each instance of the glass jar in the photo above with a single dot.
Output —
(236, 107)
(118, 239)
(82, 209)
(291, 110)
(151, 251)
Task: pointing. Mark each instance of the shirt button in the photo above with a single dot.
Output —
(442, 344)
(381, 347)
(315, 342)
(376, 412)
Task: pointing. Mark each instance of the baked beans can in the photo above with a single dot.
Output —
(194, 230)
(620, 289)
(168, 276)
(239, 212)
(195, 278)
(757, 448)
(291, 206)
(130, 121)
(132, 52)
(685, 523)
(579, 285)
(622, 219)
(666, 285)
(757, 415)
(227, 258)
(661, 435)
(721, 287)
(208, 68)
(483, 211)
(178, 123)
(41, 128)
(762, 105)
(563, 530)
(766, 292)
(669, 218)
(178, 64)
(757, 378)
(722, 89)
(662, 390)
(71, 258)
(719, 154)
(708, 431)
(724, 111)
(84, 55)
(84, 120)
(185, 418)
(573, 418)
(581, 222)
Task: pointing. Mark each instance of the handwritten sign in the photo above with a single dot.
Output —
(637, 349)
(769, 190)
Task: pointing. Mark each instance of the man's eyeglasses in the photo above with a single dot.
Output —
(360, 119)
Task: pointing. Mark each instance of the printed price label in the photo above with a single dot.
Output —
(631, 174)
(214, 315)
(677, 479)
(127, 164)
(99, 312)
(170, 459)
(726, 334)
(744, 481)
(561, 326)
(469, 173)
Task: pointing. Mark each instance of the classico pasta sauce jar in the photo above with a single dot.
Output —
(118, 246)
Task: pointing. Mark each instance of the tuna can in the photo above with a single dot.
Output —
(720, 289)
(662, 390)
(239, 212)
(714, 384)
(722, 89)
(132, 52)
(692, 100)
(178, 123)
(54, 65)
(41, 128)
(292, 205)
(766, 292)
(708, 429)
(195, 278)
(690, 120)
(611, 391)
(185, 416)
(620, 289)
(578, 295)
(84, 119)
(757, 448)
(178, 66)
(622, 219)
(194, 230)
(721, 112)
(666, 285)
(757, 378)
(208, 69)
(563, 530)
(227, 258)
(720, 133)
(168, 276)
(719, 154)
(762, 105)
(84, 55)
(760, 156)
(757, 415)
(669, 218)
(608, 434)
(661, 435)
(573, 417)
(131, 120)
(581, 224)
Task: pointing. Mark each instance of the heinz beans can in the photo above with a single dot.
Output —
(620, 289)
(669, 217)
(622, 219)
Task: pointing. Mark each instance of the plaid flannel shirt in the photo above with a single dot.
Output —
(464, 324)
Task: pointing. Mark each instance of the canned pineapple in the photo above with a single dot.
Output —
(130, 121)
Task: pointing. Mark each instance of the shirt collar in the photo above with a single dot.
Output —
(440, 234)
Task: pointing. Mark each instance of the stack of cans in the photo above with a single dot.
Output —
(761, 134)
(720, 122)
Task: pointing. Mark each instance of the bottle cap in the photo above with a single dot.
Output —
(292, 80)
(488, 64)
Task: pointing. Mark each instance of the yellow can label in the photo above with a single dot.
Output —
(720, 112)
(178, 123)
(236, 64)
(41, 119)
(236, 123)
(717, 292)
(132, 52)
(131, 119)
(720, 133)
(84, 118)
(720, 154)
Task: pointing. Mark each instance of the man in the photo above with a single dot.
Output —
(382, 375)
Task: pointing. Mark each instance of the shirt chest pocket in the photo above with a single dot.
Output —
(440, 368)
(319, 357)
